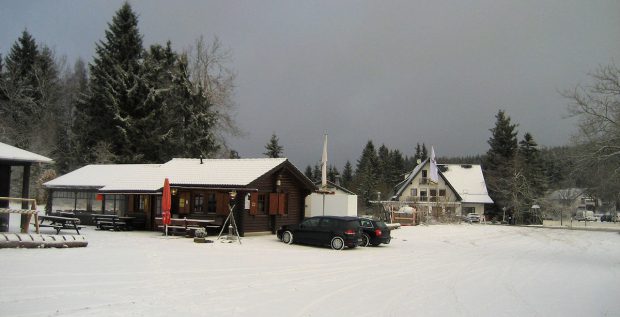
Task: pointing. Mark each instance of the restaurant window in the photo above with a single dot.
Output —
(211, 203)
(158, 206)
(262, 204)
(138, 203)
(199, 203)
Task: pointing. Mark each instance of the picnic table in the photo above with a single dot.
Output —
(189, 226)
(114, 222)
(60, 223)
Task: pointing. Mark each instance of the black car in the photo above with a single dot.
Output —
(336, 232)
(607, 218)
(374, 232)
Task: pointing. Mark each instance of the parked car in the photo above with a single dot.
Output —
(337, 232)
(374, 232)
(472, 217)
(607, 218)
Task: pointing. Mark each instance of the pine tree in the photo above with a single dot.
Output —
(308, 172)
(499, 161)
(332, 173)
(274, 149)
(418, 154)
(424, 153)
(396, 168)
(115, 92)
(316, 173)
(383, 163)
(366, 174)
(198, 119)
(29, 93)
(347, 174)
(531, 165)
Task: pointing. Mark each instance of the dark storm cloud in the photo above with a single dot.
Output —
(393, 72)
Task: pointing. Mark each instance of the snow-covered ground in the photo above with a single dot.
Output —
(441, 270)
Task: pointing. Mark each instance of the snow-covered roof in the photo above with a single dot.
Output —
(11, 153)
(98, 176)
(468, 182)
(212, 172)
(402, 185)
(179, 171)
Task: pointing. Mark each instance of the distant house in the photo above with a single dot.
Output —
(270, 192)
(460, 190)
(572, 200)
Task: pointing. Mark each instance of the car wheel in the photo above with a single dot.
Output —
(337, 243)
(365, 240)
(287, 237)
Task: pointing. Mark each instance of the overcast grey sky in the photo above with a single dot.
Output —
(395, 72)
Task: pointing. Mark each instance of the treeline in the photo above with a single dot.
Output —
(130, 104)
(518, 173)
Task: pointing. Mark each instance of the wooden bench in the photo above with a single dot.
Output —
(189, 226)
(60, 223)
(107, 222)
(188, 231)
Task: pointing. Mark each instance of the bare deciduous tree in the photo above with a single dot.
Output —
(597, 108)
(210, 71)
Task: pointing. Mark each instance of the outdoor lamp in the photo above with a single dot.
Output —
(173, 191)
(233, 194)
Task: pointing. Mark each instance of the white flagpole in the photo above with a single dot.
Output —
(434, 173)
(324, 164)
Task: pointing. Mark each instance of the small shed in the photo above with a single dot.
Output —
(12, 156)
(333, 200)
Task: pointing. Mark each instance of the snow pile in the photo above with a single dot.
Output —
(444, 270)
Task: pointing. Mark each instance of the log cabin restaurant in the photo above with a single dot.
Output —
(270, 192)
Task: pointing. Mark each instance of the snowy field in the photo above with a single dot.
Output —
(442, 270)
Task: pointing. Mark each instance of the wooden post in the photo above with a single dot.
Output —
(50, 201)
(25, 193)
(5, 191)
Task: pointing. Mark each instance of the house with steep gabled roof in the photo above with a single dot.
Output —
(270, 192)
(460, 190)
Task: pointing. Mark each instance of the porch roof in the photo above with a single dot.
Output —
(14, 154)
(98, 176)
